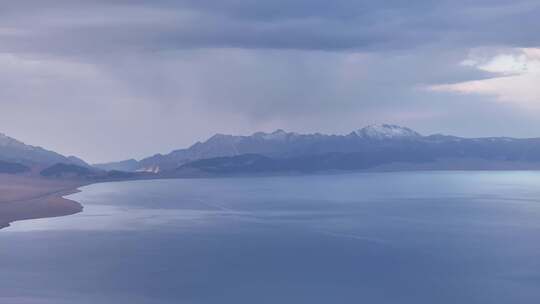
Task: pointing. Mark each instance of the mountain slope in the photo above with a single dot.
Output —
(275, 144)
(384, 159)
(66, 170)
(376, 145)
(126, 165)
(385, 131)
(12, 150)
(12, 168)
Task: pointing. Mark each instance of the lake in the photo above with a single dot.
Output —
(411, 237)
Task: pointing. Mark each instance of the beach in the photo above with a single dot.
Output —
(29, 197)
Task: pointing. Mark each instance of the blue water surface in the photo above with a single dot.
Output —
(411, 237)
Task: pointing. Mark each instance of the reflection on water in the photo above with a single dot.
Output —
(424, 237)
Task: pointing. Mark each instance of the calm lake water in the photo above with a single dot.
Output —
(423, 237)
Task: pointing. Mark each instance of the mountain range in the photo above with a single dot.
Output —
(17, 157)
(15, 151)
(375, 147)
(278, 144)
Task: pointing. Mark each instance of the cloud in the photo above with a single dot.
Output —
(112, 79)
(94, 28)
(516, 75)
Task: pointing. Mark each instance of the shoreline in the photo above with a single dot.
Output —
(26, 198)
(29, 197)
(44, 206)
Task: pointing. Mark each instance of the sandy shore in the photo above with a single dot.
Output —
(23, 197)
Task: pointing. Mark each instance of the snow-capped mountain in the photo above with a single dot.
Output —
(278, 135)
(386, 131)
(375, 144)
(221, 145)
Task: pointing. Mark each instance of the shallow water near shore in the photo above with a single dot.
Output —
(408, 237)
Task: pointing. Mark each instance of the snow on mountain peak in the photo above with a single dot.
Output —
(276, 135)
(386, 131)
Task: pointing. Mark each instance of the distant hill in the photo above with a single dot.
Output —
(66, 170)
(253, 164)
(71, 171)
(126, 165)
(12, 168)
(374, 147)
(12, 150)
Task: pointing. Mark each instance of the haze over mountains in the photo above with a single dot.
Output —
(376, 147)
(16, 156)
(279, 144)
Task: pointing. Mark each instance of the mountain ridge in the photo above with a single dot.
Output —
(372, 140)
(15, 151)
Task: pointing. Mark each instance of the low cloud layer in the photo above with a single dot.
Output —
(110, 80)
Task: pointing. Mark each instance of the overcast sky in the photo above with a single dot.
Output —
(115, 79)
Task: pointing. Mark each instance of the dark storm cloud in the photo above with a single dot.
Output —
(94, 26)
(157, 75)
